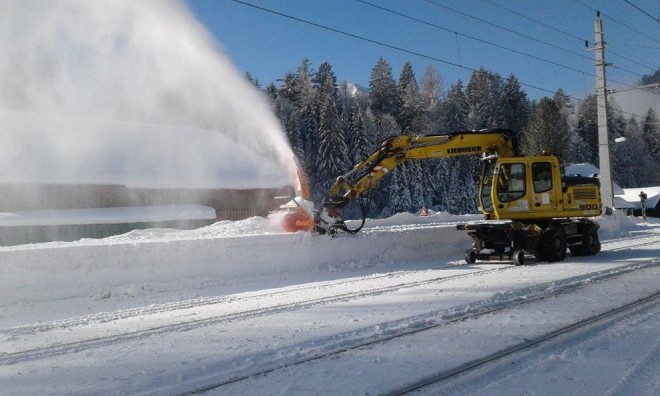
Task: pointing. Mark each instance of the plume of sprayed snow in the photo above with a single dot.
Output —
(128, 91)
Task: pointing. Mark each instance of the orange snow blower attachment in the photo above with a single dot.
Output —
(300, 210)
(298, 220)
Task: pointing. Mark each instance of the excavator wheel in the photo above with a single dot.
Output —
(552, 245)
(471, 256)
(590, 243)
(518, 257)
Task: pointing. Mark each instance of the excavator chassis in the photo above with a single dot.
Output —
(547, 241)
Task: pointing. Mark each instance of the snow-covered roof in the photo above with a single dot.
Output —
(132, 214)
(589, 170)
(631, 196)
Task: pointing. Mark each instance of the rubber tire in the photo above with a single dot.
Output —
(577, 251)
(471, 256)
(518, 257)
(552, 245)
(590, 242)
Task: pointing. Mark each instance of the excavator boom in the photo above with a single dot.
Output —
(396, 150)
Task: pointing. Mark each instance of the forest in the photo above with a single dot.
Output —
(333, 126)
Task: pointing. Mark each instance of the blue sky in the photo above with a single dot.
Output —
(268, 45)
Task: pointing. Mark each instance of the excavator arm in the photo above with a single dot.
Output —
(394, 151)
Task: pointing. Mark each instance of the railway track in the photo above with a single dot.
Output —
(359, 338)
(413, 325)
(187, 324)
(509, 352)
(201, 302)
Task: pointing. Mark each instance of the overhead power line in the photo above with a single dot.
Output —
(642, 11)
(394, 47)
(472, 37)
(432, 2)
(581, 39)
(618, 21)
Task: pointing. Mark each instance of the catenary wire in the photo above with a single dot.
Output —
(571, 35)
(617, 21)
(432, 2)
(642, 11)
(472, 37)
(400, 49)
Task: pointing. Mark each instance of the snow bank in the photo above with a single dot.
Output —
(244, 249)
(619, 225)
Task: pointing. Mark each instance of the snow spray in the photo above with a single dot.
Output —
(129, 92)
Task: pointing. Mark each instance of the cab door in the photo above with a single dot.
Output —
(543, 187)
(511, 192)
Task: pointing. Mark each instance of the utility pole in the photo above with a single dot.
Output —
(606, 192)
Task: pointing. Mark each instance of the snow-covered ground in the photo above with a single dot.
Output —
(243, 308)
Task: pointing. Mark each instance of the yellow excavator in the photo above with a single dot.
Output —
(530, 207)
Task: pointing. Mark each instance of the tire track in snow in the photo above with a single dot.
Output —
(186, 323)
(475, 376)
(105, 317)
(317, 349)
(643, 378)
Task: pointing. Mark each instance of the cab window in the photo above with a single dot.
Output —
(511, 182)
(542, 176)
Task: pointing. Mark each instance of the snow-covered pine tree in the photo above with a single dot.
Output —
(453, 118)
(515, 107)
(623, 160)
(325, 83)
(382, 89)
(645, 168)
(547, 129)
(455, 109)
(578, 151)
(332, 151)
(651, 133)
(587, 128)
(252, 80)
(359, 146)
(431, 91)
(483, 94)
(410, 101)
(400, 199)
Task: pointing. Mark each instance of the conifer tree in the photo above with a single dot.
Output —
(409, 100)
(483, 94)
(646, 170)
(357, 138)
(332, 151)
(587, 128)
(515, 107)
(547, 129)
(400, 199)
(651, 133)
(431, 91)
(454, 109)
(623, 160)
(382, 89)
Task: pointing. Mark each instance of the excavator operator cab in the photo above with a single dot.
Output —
(521, 188)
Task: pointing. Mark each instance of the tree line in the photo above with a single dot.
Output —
(332, 126)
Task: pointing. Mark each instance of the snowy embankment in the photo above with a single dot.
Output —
(160, 264)
(167, 312)
(226, 251)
